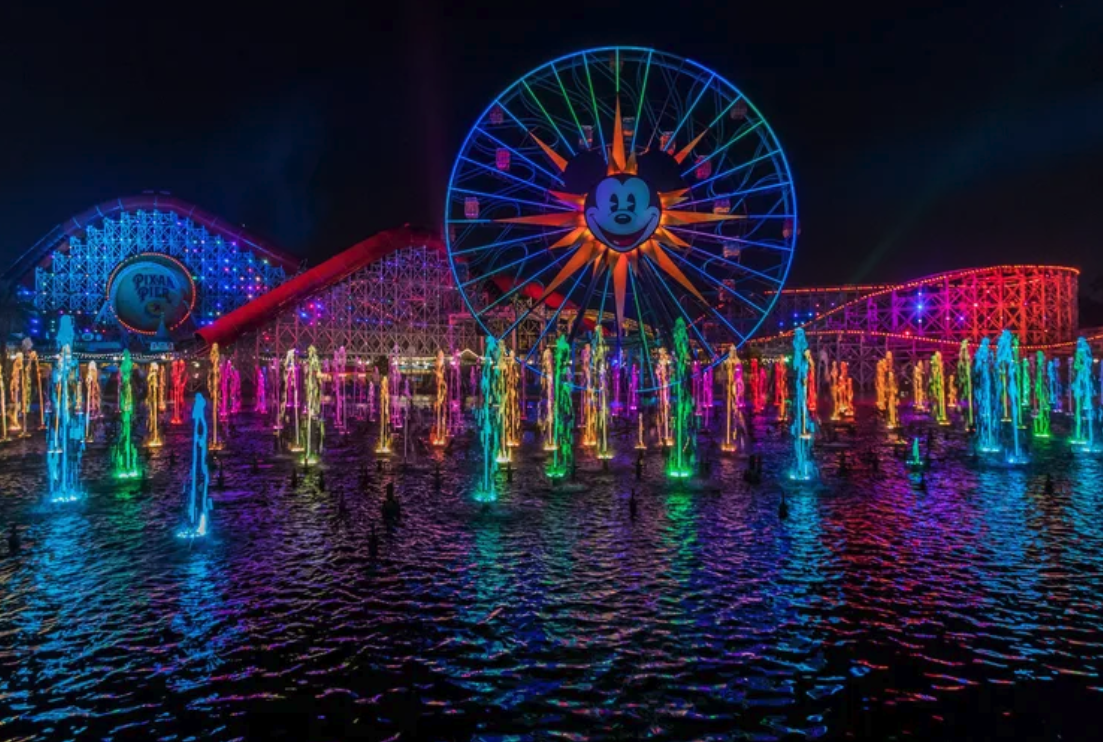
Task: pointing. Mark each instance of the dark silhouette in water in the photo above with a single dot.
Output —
(509, 471)
(392, 509)
(14, 542)
(256, 465)
(1049, 484)
(844, 465)
(753, 472)
(342, 507)
(783, 508)
(321, 480)
(436, 476)
(639, 468)
(294, 477)
(632, 505)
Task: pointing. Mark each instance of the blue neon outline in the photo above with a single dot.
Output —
(789, 195)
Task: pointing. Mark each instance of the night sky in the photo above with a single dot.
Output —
(920, 139)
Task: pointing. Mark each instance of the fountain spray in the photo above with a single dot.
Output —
(547, 408)
(214, 385)
(1041, 397)
(153, 404)
(919, 388)
(986, 400)
(261, 402)
(313, 379)
(489, 420)
(1083, 397)
(601, 370)
(781, 388)
(125, 454)
(683, 454)
(938, 389)
(291, 397)
(662, 375)
(439, 435)
(1005, 358)
(803, 428)
(563, 456)
(383, 446)
(733, 412)
(197, 501)
(66, 435)
(965, 382)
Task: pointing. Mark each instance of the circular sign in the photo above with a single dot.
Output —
(146, 289)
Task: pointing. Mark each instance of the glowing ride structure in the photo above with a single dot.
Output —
(618, 190)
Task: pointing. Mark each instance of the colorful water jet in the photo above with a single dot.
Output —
(92, 395)
(1083, 396)
(385, 443)
(197, 500)
(489, 420)
(803, 428)
(179, 382)
(125, 453)
(986, 401)
(733, 405)
(601, 377)
(547, 397)
(214, 384)
(65, 446)
(938, 389)
(154, 387)
(683, 453)
(964, 378)
(312, 376)
(441, 428)
(1042, 395)
(1009, 371)
(562, 461)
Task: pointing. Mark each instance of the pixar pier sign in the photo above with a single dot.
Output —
(148, 289)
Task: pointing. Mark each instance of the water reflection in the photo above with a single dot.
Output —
(885, 604)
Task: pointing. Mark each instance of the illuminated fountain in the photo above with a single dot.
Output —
(986, 401)
(810, 389)
(1009, 371)
(919, 388)
(260, 404)
(1025, 385)
(842, 392)
(1083, 396)
(340, 363)
(395, 392)
(547, 393)
(915, 461)
(65, 445)
(683, 454)
(1042, 380)
(225, 373)
(938, 389)
(312, 377)
(514, 402)
(17, 406)
(634, 389)
(803, 428)
(154, 388)
(440, 431)
(386, 431)
(290, 398)
(662, 374)
(36, 374)
(503, 411)
(235, 390)
(489, 420)
(125, 453)
(589, 399)
(890, 390)
(758, 387)
(197, 500)
(733, 409)
(455, 393)
(965, 382)
(601, 376)
(781, 388)
(214, 385)
(371, 401)
(179, 381)
(707, 394)
(92, 393)
(563, 455)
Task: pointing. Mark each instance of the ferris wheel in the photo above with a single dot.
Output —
(618, 190)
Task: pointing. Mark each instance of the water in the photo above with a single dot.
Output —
(875, 609)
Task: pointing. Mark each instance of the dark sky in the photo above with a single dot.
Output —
(920, 139)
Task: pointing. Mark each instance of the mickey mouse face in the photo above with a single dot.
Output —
(621, 212)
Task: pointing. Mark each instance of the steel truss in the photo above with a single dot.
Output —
(407, 299)
(226, 276)
(858, 324)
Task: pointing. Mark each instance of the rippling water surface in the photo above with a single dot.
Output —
(879, 608)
